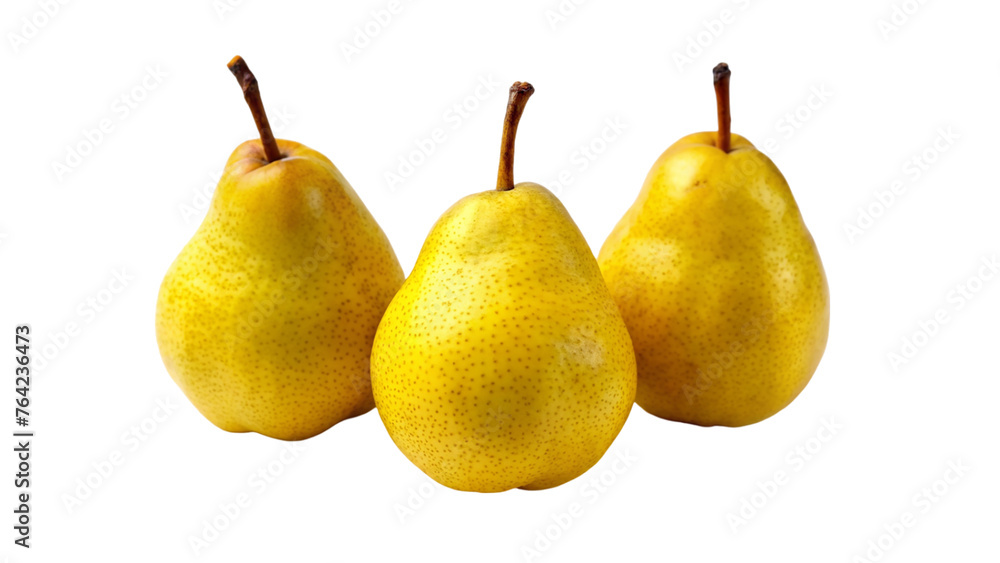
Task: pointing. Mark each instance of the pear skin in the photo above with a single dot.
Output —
(503, 362)
(720, 284)
(266, 318)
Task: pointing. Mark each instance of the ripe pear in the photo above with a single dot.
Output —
(503, 361)
(266, 318)
(719, 282)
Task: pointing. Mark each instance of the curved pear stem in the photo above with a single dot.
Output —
(519, 94)
(720, 75)
(251, 93)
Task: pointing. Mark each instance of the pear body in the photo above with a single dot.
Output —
(720, 284)
(503, 361)
(266, 318)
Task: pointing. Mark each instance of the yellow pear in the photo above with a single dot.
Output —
(503, 361)
(266, 318)
(719, 282)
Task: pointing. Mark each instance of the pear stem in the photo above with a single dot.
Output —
(519, 94)
(251, 93)
(720, 76)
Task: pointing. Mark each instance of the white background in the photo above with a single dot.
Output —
(123, 209)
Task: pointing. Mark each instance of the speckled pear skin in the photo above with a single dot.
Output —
(266, 318)
(720, 284)
(503, 362)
